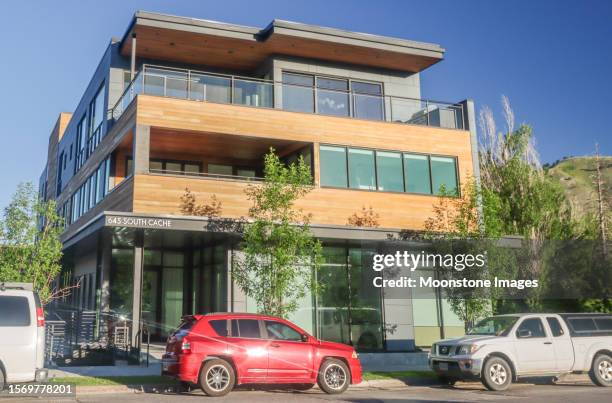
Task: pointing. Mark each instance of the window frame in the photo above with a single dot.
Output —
(262, 331)
(349, 92)
(518, 327)
(402, 153)
(549, 319)
(268, 337)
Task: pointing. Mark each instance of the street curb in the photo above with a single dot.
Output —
(164, 388)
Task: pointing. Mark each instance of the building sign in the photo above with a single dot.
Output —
(138, 222)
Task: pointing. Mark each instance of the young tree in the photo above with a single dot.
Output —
(30, 249)
(279, 251)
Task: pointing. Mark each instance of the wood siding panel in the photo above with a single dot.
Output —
(276, 124)
(160, 194)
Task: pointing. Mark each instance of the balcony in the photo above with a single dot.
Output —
(290, 95)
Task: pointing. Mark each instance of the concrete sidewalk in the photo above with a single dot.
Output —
(117, 370)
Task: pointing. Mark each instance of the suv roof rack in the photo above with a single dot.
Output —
(17, 286)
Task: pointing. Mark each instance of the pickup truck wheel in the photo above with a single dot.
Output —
(334, 376)
(497, 374)
(601, 370)
(217, 378)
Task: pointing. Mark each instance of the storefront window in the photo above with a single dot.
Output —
(366, 307)
(121, 281)
(332, 302)
(349, 309)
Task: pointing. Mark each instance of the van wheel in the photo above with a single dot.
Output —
(334, 376)
(497, 374)
(217, 378)
(1, 379)
(601, 370)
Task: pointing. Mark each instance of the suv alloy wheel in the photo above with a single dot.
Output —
(334, 376)
(217, 378)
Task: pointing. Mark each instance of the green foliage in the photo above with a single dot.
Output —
(29, 253)
(279, 249)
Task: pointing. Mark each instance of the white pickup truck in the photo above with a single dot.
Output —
(501, 349)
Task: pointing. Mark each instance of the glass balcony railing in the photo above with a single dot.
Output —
(228, 89)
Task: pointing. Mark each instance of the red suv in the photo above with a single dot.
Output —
(218, 351)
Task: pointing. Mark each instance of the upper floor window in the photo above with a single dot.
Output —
(96, 117)
(81, 142)
(367, 100)
(333, 96)
(298, 92)
(333, 166)
(393, 171)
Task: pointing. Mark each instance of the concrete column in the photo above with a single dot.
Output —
(140, 149)
(104, 268)
(136, 335)
(133, 58)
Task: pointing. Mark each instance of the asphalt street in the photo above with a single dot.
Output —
(463, 392)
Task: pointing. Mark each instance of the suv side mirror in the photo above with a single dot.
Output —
(304, 337)
(524, 333)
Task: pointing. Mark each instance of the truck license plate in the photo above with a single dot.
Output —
(443, 366)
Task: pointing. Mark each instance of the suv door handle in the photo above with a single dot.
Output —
(275, 345)
(548, 342)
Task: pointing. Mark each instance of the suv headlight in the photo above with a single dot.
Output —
(467, 349)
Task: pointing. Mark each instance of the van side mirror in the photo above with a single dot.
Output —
(524, 333)
(304, 337)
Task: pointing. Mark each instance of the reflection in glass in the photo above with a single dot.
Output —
(298, 92)
(332, 302)
(416, 171)
(366, 308)
(211, 88)
(367, 100)
(389, 171)
(444, 175)
(332, 96)
(361, 169)
(253, 93)
(333, 166)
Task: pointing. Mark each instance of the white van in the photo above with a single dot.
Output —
(22, 334)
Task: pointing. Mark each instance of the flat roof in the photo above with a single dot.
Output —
(200, 41)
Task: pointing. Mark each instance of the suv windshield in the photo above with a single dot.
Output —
(494, 326)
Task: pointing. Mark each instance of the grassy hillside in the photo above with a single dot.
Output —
(576, 175)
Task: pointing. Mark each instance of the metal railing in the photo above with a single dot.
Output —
(230, 89)
(207, 175)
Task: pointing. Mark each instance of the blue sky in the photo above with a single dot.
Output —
(553, 59)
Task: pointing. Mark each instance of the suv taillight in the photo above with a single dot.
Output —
(40, 317)
(186, 347)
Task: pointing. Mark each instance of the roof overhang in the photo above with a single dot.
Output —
(236, 47)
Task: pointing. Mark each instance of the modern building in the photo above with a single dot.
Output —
(181, 103)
